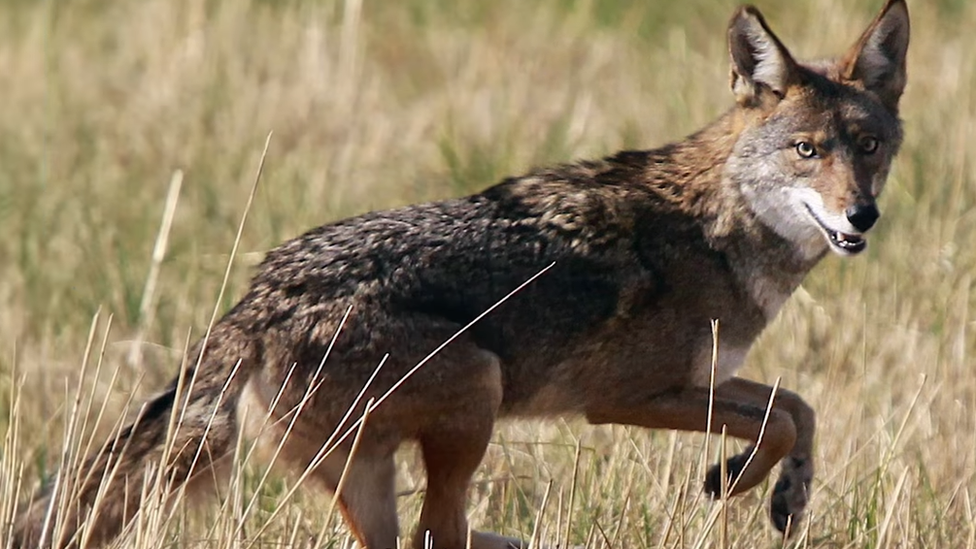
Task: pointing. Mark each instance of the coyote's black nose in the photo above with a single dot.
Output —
(863, 216)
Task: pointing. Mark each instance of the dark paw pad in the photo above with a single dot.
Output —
(733, 467)
(790, 494)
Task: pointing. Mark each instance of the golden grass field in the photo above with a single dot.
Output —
(377, 104)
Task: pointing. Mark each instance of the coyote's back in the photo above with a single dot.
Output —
(629, 260)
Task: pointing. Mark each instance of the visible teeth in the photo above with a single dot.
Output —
(849, 242)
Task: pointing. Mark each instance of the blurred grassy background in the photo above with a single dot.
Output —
(376, 104)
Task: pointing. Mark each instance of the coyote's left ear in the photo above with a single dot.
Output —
(877, 60)
(760, 62)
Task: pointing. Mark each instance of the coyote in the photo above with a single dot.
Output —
(641, 252)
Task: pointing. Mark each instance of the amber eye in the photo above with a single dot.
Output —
(806, 149)
(869, 144)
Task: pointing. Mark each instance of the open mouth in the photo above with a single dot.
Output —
(847, 244)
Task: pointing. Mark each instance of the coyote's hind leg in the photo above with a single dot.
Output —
(367, 498)
(452, 446)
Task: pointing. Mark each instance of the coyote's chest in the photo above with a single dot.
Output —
(724, 360)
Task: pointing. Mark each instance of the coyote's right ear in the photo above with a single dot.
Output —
(760, 62)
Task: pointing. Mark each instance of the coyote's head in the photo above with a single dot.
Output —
(817, 138)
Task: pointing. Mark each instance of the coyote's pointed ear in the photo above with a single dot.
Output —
(877, 60)
(760, 62)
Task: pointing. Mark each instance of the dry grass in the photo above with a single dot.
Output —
(382, 104)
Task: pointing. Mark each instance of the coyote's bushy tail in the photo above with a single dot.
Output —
(93, 504)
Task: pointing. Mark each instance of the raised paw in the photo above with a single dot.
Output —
(790, 494)
(733, 467)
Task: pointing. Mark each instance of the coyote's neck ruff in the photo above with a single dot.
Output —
(646, 251)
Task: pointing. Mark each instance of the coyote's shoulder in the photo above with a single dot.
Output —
(651, 274)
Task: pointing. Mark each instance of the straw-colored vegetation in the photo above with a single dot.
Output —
(376, 104)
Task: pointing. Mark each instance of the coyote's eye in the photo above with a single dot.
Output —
(868, 144)
(806, 149)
